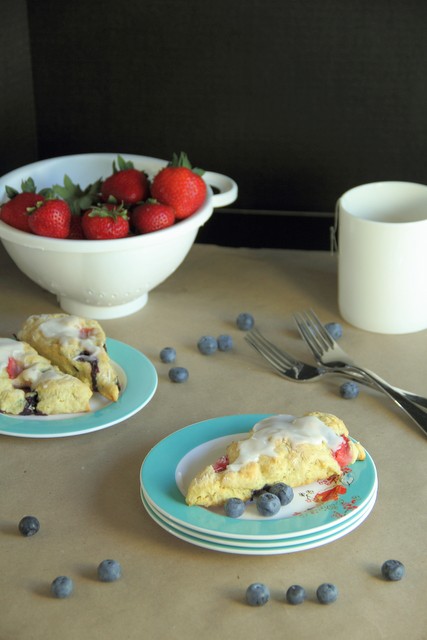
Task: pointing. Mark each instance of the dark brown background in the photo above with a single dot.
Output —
(297, 100)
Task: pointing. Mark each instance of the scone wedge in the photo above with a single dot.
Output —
(30, 384)
(77, 346)
(282, 448)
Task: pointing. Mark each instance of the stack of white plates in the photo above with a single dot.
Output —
(319, 513)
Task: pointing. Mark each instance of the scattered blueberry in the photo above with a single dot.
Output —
(393, 570)
(109, 571)
(283, 491)
(349, 390)
(327, 593)
(257, 594)
(295, 594)
(62, 587)
(267, 504)
(28, 526)
(245, 321)
(178, 374)
(168, 354)
(234, 507)
(225, 342)
(334, 329)
(207, 345)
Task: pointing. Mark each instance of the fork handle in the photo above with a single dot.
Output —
(412, 410)
(413, 397)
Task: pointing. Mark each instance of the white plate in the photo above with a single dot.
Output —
(358, 517)
(223, 546)
(167, 466)
(138, 379)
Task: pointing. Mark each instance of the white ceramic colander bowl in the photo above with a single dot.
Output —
(104, 278)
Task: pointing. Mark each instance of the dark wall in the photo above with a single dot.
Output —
(297, 100)
(18, 131)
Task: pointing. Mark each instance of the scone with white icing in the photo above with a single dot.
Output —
(281, 448)
(30, 384)
(75, 345)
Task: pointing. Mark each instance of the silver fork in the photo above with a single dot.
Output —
(330, 355)
(290, 367)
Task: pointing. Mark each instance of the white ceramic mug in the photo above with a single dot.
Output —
(382, 257)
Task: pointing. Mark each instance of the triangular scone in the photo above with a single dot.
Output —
(75, 345)
(30, 384)
(282, 448)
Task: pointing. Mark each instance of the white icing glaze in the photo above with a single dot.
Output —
(30, 375)
(34, 375)
(69, 328)
(305, 430)
(9, 348)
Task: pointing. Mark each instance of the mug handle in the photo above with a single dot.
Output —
(333, 231)
(227, 188)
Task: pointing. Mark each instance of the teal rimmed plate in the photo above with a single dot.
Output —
(138, 379)
(238, 547)
(163, 473)
(340, 527)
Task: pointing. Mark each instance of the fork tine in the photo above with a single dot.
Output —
(269, 350)
(309, 335)
(266, 355)
(322, 332)
(285, 357)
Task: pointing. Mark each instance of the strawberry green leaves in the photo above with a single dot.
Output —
(182, 160)
(77, 198)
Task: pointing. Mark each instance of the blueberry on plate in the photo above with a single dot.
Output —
(168, 354)
(349, 390)
(234, 507)
(28, 526)
(295, 594)
(334, 329)
(268, 504)
(62, 587)
(257, 594)
(225, 342)
(207, 345)
(178, 374)
(327, 593)
(283, 491)
(393, 570)
(109, 570)
(245, 321)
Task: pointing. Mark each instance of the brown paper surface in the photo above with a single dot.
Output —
(85, 489)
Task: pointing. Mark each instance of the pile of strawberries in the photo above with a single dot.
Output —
(126, 203)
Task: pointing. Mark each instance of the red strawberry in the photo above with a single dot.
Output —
(15, 211)
(13, 368)
(343, 454)
(85, 332)
(52, 219)
(76, 229)
(180, 186)
(152, 216)
(221, 464)
(126, 184)
(105, 222)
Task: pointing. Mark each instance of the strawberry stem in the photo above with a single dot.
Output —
(78, 199)
(122, 164)
(182, 160)
(100, 211)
